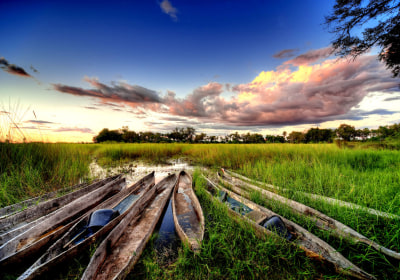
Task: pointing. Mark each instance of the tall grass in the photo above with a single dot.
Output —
(368, 177)
(28, 170)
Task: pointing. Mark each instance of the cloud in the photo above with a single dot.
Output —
(13, 69)
(311, 56)
(91, 108)
(392, 98)
(74, 129)
(39, 122)
(168, 9)
(285, 53)
(118, 92)
(312, 90)
(203, 102)
(310, 93)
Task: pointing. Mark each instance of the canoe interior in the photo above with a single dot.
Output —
(34, 240)
(121, 249)
(188, 215)
(63, 249)
(313, 246)
(18, 222)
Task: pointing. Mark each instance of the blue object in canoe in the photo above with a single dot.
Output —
(276, 225)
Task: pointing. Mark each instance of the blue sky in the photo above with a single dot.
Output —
(154, 65)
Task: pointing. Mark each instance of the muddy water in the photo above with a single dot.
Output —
(167, 242)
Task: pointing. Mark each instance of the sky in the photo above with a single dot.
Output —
(68, 69)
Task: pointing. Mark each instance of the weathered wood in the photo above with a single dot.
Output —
(14, 208)
(187, 212)
(321, 220)
(56, 223)
(119, 252)
(329, 200)
(57, 253)
(311, 244)
(15, 224)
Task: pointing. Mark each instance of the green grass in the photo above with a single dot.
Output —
(366, 176)
(28, 170)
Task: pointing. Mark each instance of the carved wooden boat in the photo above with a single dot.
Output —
(187, 212)
(259, 218)
(14, 224)
(322, 221)
(33, 240)
(131, 200)
(121, 249)
(34, 201)
(325, 199)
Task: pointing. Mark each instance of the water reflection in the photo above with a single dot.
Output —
(167, 242)
(135, 170)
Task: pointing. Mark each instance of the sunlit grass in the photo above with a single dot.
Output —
(367, 177)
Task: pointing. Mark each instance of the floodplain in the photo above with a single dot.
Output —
(231, 250)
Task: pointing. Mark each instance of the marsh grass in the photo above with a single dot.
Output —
(231, 250)
(31, 169)
(368, 177)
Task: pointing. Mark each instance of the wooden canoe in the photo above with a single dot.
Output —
(33, 240)
(321, 220)
(325, 199)
(311, 244)
(17, 223)
(34, 201)
(119, 252)
(187, 212)
(68, 246)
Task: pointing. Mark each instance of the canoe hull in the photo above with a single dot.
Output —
(187, 213)
(63, 250)
(120, 251)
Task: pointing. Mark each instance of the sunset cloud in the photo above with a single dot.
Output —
(311, 93)
(306, 89)
(74, 129)
(286, 53)
(311, 56)
(118, 92)
(39, 122)
(13, 69)
(168, 9)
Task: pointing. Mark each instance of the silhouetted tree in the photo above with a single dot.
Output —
(108, 135)
(381, 22)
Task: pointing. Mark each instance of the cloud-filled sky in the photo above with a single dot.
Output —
(70, 68)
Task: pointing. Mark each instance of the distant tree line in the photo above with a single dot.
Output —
(313, 135)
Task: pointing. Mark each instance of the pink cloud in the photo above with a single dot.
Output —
(311, 56)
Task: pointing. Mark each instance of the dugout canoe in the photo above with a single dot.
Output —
(321, 220)
(328, 200)
(119, 252)
(17, 207)
(314, 247)
(82, 234)
(34, 240)
(187, 212)
(15, 224)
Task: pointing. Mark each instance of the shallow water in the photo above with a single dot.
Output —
(135, 170)
(167, 241)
